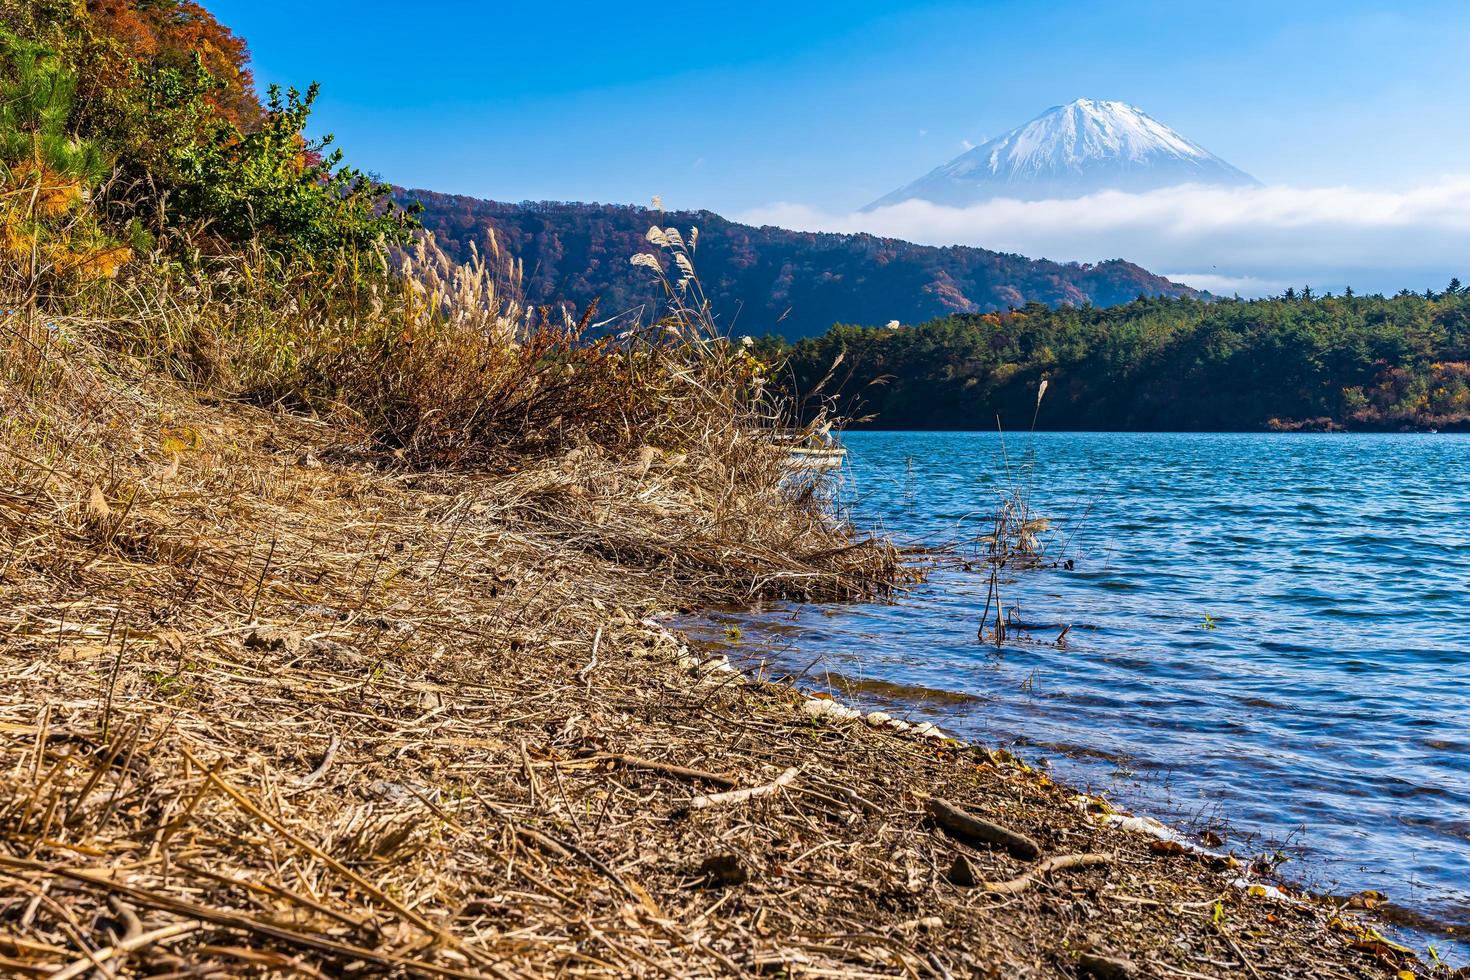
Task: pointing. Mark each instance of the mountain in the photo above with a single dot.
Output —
(1072, 150)
(768, 280)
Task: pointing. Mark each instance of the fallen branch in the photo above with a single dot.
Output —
(78, 967)
(973, 829)
(591, 664)
(1105, 967)
(1256, 974)
(669, 769)
(403, 910)
(742, 795)
(1060, 863)
(229, 919)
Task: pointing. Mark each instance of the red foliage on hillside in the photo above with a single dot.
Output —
(172, 32)
(769, 280)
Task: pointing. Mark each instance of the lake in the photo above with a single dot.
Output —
(1269, 636)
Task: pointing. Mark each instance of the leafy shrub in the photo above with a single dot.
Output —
(167, 101)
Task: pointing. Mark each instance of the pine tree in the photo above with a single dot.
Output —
(48, 173)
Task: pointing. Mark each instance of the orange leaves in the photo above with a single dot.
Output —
(43, 224)
(173, 33)
(1365, 939)
(96, 263)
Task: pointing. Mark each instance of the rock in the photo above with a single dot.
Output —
(963, 873)
(322, 646)
(929, 923)
(724, 869)
(822, 708)
(1105, 967)
(388, 791)
(273, 639)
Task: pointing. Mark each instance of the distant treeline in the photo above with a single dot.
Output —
(1295, 361)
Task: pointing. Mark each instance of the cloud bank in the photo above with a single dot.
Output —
(1251, 240)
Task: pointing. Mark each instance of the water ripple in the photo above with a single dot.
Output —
(1276, 632)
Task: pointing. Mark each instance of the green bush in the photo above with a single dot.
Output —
(183, 149)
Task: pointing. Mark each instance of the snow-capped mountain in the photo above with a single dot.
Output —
(1070, 151)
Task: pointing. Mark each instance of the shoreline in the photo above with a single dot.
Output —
(1415, 925)
(418, 721)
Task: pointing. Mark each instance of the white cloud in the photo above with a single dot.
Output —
(967, 144)
(1229, 285)
(1253, 240)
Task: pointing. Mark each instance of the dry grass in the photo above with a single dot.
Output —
(277, 701)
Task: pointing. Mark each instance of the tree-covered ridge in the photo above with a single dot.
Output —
(1294, 361)
(769, 279)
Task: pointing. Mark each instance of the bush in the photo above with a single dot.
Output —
(168, 114)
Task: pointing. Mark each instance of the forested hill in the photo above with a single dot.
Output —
(768, 279)
(1294, 361)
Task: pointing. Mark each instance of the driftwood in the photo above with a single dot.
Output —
(974, 830)
(1060, 863)
(230, 919)
(742, 795)
(668, 768)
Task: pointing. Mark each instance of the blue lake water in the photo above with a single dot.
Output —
(1270, 636)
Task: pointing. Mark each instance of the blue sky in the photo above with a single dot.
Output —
(1355, 115)
(830, 104)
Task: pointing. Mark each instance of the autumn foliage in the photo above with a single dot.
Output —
(133, 127)
(171, 34)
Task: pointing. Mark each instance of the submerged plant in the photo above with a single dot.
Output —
(1019, 539)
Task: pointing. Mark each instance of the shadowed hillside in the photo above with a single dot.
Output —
(770, 279)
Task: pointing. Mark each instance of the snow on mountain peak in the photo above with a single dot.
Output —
(1073, 150)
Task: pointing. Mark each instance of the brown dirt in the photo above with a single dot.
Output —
(270, 710)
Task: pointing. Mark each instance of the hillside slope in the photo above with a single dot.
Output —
(763, 280)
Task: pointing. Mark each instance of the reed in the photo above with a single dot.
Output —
(1019, 538)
